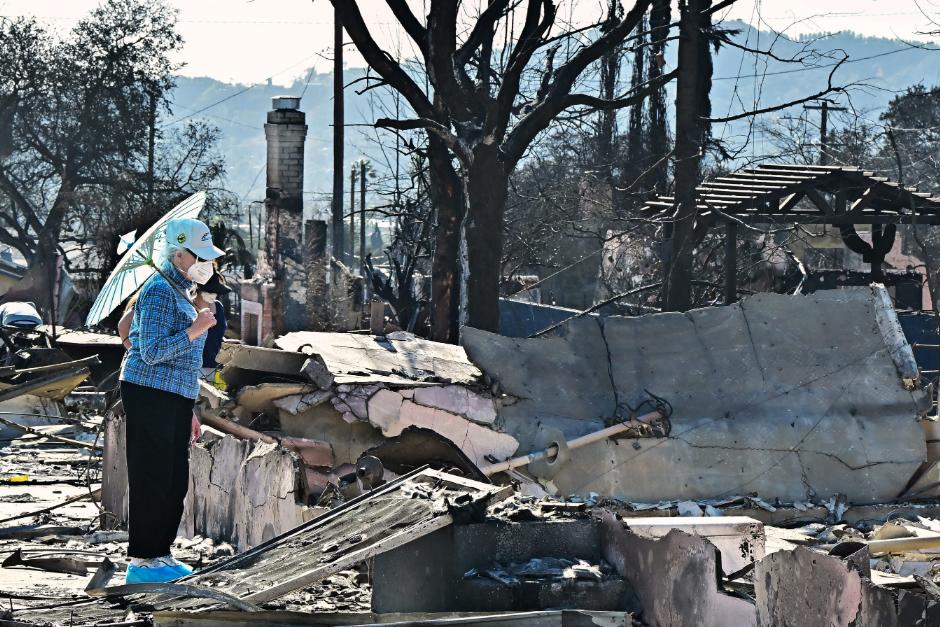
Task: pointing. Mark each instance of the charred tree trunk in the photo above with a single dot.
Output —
(657, 133)
(692, 106)
(447, 197)
(481, 243)
(636, 153)
(610, 69)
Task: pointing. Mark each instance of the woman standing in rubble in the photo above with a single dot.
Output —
(159, 385)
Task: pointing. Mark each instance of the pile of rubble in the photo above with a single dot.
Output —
(765, 463)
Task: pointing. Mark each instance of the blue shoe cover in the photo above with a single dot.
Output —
(183, 569)
(154, 574)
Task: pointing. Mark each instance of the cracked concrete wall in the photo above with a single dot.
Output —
(241, 492)
(790, 397)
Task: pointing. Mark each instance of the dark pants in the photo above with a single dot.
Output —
(159, 425)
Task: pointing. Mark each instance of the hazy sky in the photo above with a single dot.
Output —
(252, 40)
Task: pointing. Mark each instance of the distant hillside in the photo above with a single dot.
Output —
(886, 65)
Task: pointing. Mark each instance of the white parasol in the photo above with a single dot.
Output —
(137, 265)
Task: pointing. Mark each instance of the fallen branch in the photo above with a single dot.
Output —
(81, 497)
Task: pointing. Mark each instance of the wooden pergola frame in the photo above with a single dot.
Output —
(842, 196)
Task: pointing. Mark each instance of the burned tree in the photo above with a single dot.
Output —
(485, 107)
(82, 119)
(693, 107)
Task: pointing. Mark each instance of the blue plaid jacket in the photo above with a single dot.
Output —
(161, 355)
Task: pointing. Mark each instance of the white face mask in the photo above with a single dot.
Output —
(207, 297)
(200, 272)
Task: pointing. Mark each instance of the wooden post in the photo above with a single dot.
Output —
(877, 260)
(377, 317)
(731, 262)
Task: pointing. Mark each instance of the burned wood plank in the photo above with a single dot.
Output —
(27, 532)
(55, 386)
(542, 618)
(94, 360)
(178, 589)
(42, 434)
(67, 565)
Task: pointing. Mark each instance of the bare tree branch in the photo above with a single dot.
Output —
(432, 126)
(830, 89)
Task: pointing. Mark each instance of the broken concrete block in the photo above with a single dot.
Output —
(358, 407)
(481, 409)
(256, 398)
(314, 453)
(458, 400)
(689, 508)
(354, 358)
(420, 416)
(674, 578)
(392, 414)
(803, 587)
(267, 360)
(451, 398)
(317, 372)
(740, 539)
(790, 397)
(384, 408)
(297, 403)
(242, 492)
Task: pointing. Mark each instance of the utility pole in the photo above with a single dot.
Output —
(363, 167)
(151, 149)
(338, 121)
(824, 108)
(352, 214)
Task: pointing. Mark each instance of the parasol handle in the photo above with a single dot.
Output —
(167, 279)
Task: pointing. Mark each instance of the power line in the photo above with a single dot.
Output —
(238, 93)
(819, 67)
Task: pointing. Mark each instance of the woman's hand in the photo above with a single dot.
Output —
(196, 427)
(204, 321)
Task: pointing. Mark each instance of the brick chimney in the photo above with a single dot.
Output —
(285, 132)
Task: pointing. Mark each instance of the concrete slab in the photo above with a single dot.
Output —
(790, 397)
